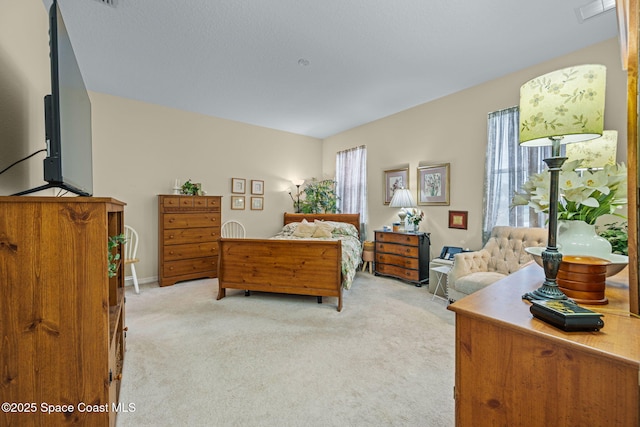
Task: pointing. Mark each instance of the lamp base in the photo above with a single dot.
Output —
(551, 260)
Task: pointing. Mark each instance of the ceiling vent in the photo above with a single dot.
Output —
(111, 3)
(595, 8)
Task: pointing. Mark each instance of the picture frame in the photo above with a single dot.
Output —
(237, 203)
(238, 185)
(257, 203)
(458, 219)
(257, 186)
(393, 179)
(433, 185)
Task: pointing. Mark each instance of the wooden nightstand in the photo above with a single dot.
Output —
(403, 255)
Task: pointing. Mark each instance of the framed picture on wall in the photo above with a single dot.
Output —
(433, 185)
(394, 179)
(257, 186)
(238, 185)
(237, 202)
(458, 219)
(257, 203)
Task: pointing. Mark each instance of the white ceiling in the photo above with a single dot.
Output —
(367, 59)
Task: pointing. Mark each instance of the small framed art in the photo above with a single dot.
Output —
(238, 185)
(237, 202)
(458, 219)
(257, 203)
(257, 186)
(394, 179)
(433, 185)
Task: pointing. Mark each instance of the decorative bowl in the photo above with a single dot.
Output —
(617, 262)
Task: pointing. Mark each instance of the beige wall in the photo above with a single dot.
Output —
(453, 130)
(140, 149)
(24, 80)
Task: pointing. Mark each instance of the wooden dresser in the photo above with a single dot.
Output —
(61, 316)
(515, 370)
(188, 234)
(403, 255)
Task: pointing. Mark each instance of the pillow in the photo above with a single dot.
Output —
(323, 229)
(305, 229)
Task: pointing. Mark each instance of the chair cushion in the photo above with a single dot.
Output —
(475, 281)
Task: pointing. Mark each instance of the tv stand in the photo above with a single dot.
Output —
(53, 185)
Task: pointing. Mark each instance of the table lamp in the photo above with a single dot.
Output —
(560, 107)
(402, 198)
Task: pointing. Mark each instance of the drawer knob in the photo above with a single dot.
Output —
(172, 220)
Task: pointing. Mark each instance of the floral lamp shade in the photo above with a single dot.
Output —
(567, 103)
(597, 153)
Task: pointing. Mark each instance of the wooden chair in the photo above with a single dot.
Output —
(232, 228)
(130, 251)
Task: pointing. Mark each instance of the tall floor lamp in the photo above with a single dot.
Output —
(560, 107)
(297, 183)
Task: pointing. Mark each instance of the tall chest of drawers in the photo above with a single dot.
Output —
(403, 255)
(188, 234)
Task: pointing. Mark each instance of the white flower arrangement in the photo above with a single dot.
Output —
(414, 216)
(583, 197)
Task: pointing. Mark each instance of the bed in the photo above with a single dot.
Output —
(292, 262)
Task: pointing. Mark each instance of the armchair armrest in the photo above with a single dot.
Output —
(468, 262)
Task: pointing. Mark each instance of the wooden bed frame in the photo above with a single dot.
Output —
(300, 267)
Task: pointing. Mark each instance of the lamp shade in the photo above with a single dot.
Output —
(567, 104)
(298, 182)
(597, 153)
(402, 198)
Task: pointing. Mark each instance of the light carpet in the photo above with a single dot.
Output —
(283, 360)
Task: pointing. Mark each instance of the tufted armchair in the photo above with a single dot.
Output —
(502, 255)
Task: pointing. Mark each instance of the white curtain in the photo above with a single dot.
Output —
(507, 168)
(351, 182)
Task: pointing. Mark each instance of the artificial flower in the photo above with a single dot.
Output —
(583, 195)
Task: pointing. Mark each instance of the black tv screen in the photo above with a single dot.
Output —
(68, 164)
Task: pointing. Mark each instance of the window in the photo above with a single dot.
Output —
(507, 167)
(351, 182)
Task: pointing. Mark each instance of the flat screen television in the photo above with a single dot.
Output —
(68, 164)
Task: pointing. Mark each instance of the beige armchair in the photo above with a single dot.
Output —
(502, 255)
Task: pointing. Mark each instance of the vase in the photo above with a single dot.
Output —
(580, 238)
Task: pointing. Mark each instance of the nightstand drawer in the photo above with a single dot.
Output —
(403, 273)
(392, 248)
(397, 260)
(402, 238)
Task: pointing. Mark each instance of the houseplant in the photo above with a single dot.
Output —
(319, 197)
(112, 257)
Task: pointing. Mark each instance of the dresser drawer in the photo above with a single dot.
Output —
(190, 250)
(179, 236)
(190, 220)
(403, 273)
(402, 238)
(188, 266)
(391, 248)
(397, 260)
